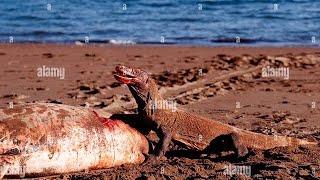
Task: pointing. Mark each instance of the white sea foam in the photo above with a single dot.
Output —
(120, 42)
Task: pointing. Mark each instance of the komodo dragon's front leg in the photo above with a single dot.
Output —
(162, 146)
(165, 139)
(240, 149)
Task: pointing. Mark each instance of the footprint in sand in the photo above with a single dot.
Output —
(115, 84)
(55, 101)
(15, 96)
(181, 77)
(48, 55)
(84, 88)
(90, 55)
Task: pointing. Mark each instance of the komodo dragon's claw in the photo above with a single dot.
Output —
(240, 149)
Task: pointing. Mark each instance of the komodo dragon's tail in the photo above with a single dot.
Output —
(261, 141)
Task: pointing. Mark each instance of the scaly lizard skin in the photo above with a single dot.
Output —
(192, 131)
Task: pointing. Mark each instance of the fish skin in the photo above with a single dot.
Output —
(47, 139)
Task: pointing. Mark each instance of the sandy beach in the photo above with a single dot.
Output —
(222, 83)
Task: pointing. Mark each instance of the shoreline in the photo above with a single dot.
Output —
(168, 44)
(213, 50)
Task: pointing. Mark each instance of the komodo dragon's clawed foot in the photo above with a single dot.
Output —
(240, 149)
(227, 142)
(150, 160)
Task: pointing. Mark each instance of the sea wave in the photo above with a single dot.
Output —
(179, 22)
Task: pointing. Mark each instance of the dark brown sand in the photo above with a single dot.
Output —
(268, 105)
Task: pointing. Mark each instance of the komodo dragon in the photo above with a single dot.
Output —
(192, 131)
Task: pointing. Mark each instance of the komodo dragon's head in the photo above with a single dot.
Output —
(141, 85)
(131, 76)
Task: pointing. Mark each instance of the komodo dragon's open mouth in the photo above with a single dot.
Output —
(129, 75)
(124, 75)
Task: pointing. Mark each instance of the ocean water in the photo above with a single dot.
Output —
(186, 22)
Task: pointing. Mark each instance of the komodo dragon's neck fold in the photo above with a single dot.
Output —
(140, 98)
(146, 95)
